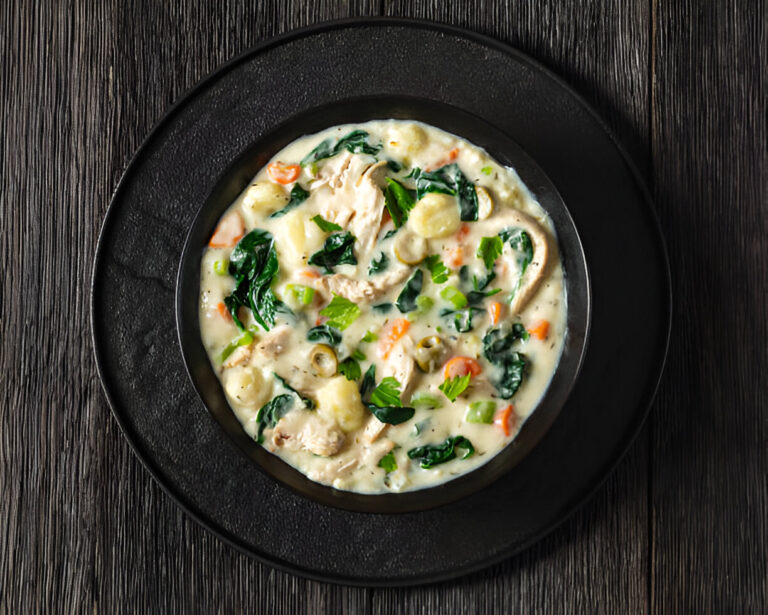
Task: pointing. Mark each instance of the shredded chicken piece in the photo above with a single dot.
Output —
(373, 429)
(401, 365)
(331, 471)
(238, 356)
(369, 208)
(274, 342)
(306, 430)
(361, 290)
(334, 171)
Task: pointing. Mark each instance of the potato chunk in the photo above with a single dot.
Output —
(261, 198)
(435, 215)
(245, 386)
(339, 400)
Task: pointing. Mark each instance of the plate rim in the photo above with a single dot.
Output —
(643, 406)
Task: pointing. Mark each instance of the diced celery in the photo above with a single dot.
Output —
(221, 267)
(425, 400)
(245, 339)
(454, 296)
(302, 294)
(481, 412)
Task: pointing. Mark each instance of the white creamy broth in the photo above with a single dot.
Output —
(409, 302)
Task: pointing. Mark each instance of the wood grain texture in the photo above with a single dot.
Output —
(710, 437)
(682, 523)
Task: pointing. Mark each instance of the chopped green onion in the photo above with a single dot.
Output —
(425, 400)
(423, 305)
(221, 267)
(481, 412)
(454, 296)
(369, 337)
(486, 170)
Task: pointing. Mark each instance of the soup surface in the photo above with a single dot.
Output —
(384, 306)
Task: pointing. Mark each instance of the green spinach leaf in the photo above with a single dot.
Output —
(431, 455)
(498, 349)
(406, 300)
(325, 226)
(325, 334)
(298, 196)
(337, 250)
(448, 180)
(399, 201)
(355, 142)
(378, 264)
(269, 414)
(309, 404)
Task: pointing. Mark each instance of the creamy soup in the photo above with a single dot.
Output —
(384, 306)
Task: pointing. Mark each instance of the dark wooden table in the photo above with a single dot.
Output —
(681, 525)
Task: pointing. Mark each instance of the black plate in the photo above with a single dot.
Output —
(504, 150)
(175, 170)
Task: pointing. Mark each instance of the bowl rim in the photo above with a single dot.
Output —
(536, 424)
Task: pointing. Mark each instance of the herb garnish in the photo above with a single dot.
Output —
(337, 250)
(406, 300)
(341, 312)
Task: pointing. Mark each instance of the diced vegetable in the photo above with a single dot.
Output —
(480, 412)
(228, 232)
(220, 267)
(324, 225)
(454, 296)
(431, 455)
(504, 419)
(245, 339)
(221, 308)
(423, 305)
(460, 366)
(390, 334)
(494, 312)
(437, 269)
(388, 462)
(540, 329)
(369, 337)
(425, 400)
(486, 170)
(302, 295)
(489, 250)
(455, 257)
(283, 173)
(341, 312)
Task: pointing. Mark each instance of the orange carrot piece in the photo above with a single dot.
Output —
(462, 233)
(453, 154)
(494, 312)
(229, 231)
(540, 329)
(283, 173)
(461, 366)
(223, 311)
(310, 273)
(392, 332)
(456, 257)
(503, 419)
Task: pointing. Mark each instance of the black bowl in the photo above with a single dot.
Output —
(505, 151)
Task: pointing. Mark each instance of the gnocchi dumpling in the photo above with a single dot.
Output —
(435, 215)
(263, 197)
(339, 400)
(245, 386)
(407, 139)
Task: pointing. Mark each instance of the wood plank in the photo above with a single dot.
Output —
(710, 438)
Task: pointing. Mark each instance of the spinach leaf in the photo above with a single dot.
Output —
(298, 196)
(394, 165)
(399, 201)
(309, 404)
(253, 264)
(394, 415)
(406, 300)
(378, 264)
(382, 308)
(325, 226)
(337, 250)
(324, 333)
(355, 142)
(497, 348)
(431, 455)
(462, 319)
(448, 180)
(369, 381)
(269, 414)
(388, 234)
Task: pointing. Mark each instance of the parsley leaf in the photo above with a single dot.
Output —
(341, 312)
(399, 201)
(324, 224)
(337, 250)
(489, 250)
(453, 387)
(388, 462)
(437, 269)
(350, 368)
(387, 393)
(298, 196)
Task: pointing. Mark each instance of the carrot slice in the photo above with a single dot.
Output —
(310, 273)
(494, 312)
(283, 173)
(390, 334)
(230, 230)
(540, 329)
(461, 366)
(223, 311)
(453, 154)
(462, 233)
(503, 419)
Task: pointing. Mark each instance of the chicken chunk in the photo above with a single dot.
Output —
(401, 365)
(274, 343)
(306, 430)
(361, 290)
